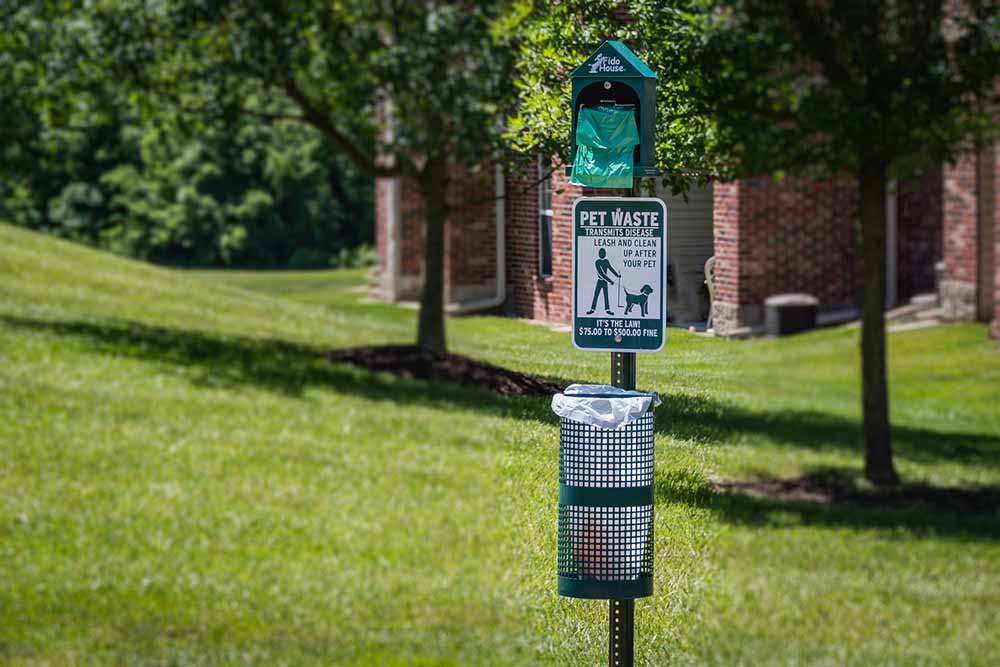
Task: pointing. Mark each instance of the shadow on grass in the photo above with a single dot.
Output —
(290, 368)
(832, 498)
(284, 367)
(709, 421)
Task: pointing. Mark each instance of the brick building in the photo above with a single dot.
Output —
(509, 244)
(970, 287)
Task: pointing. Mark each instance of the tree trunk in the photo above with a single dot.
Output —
(433, 189)
(879, 469)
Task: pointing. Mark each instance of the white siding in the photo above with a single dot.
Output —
(689, 244)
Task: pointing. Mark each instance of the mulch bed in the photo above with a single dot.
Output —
(826, 489)
(409, 361)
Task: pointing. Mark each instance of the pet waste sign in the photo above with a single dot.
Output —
(619, 273)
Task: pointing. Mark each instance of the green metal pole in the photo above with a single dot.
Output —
(621, 613)
(621, 633)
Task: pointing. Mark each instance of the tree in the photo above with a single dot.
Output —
(836, 88)
(400, 88)
(874, 90)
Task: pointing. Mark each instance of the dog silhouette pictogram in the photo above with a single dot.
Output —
(641, 299)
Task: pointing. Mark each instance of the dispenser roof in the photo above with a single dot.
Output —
(612, 60)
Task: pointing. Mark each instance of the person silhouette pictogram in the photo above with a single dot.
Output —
(603, 266)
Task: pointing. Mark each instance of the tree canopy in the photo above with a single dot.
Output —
(824, 87)
(88, 156)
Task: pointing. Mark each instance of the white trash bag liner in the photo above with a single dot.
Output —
(602, 405)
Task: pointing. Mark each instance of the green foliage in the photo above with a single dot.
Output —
(824, 88)
(252, 194)
(255, 193)
(440, 70)
(354, 258)
(80, 162)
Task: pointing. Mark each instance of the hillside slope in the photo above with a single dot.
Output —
(43, 277)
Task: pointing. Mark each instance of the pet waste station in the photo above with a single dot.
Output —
(606, 500)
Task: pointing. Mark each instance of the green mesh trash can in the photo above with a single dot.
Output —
(606, 509)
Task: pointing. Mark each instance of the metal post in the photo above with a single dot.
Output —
(621, 613)
(621, 637)
(623, 369)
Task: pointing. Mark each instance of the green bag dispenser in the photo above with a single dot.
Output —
(606, 138)
(612, 78)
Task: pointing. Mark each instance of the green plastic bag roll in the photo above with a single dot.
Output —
(605, 138)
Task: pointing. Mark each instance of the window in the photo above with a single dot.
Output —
(544, 220)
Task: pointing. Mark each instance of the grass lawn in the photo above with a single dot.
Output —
(184, 481)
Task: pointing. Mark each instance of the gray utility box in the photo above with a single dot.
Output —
(786, 314)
